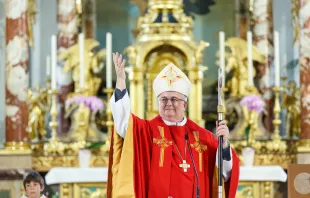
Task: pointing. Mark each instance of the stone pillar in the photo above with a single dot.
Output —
(67, 18)
(2, 70)
(262, 28)
(241, 19)
(17, 75)
(90, 25)
(304, 64)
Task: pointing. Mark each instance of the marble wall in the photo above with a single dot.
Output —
(2, 70)
(282, 22)
(43, 29)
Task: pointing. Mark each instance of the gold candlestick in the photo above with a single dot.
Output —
(276, 144)
(48, 88)
(54, 113)
(54, 146)
(277, 109)
(109, 122)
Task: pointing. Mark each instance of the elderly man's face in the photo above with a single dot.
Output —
(172, 106)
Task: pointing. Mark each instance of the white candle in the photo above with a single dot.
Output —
(250, 61)
(81, 48)
(222, 54)
(54, 60)
(48, 65)
(109, 59)
(276, 59)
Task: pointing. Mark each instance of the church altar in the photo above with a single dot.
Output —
(260, 181)
(79, 182)
(255, 181)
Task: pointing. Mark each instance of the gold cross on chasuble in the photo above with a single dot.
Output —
(199, 148)
(163, 143)
(185, 166)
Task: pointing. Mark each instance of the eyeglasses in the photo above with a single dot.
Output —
(174, 100)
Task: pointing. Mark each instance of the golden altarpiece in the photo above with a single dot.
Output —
(164, 35)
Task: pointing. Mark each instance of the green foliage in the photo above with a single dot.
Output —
(247, 132)
(95, 145)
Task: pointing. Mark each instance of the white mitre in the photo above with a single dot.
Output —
(171, 78)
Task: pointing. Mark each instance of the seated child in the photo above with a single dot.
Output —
(33, 185)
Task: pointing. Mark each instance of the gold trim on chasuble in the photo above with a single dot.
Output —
(199, 148)
(171, 76)
(163, 143)
(122, 168)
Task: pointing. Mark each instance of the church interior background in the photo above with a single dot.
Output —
(51, 115)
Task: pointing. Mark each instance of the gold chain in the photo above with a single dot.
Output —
(174, 144)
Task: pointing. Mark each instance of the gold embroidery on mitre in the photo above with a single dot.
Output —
(171, 76)
(199, 148)
(163, 143)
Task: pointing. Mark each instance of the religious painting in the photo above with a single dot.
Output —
(299, 180)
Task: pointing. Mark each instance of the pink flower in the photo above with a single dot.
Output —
(253, 103)
(91, 102)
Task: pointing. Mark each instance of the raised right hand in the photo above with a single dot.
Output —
(119, 64)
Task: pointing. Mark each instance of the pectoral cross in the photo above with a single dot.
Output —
(185, 166)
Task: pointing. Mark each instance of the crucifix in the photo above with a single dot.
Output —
(185, 166)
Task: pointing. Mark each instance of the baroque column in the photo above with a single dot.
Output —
(67, 18)
(90, 19)
(2, 68)
(304, 64)
(262, 28)
(17, 75)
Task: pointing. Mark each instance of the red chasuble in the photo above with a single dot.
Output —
(148, 162)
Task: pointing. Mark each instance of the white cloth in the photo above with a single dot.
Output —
(61, 175)
(24, 196)
(121, 113)
(262, 173)
(171, 78)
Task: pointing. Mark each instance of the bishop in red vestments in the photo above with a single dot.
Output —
(170, 155)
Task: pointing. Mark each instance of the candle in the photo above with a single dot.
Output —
(276, 59)
(54, 60)
(109, 60)
(250, 61)
(81, 47)
(48, 65)
(222, 54)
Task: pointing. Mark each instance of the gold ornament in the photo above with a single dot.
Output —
(291, 102)
(93, 65)
(38, 107)
(237, 64)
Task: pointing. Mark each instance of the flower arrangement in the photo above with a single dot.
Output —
(253, 103)
(255, 106)
(94, 104)
(91, 102)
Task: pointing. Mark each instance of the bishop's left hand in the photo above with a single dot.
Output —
(222, 129)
